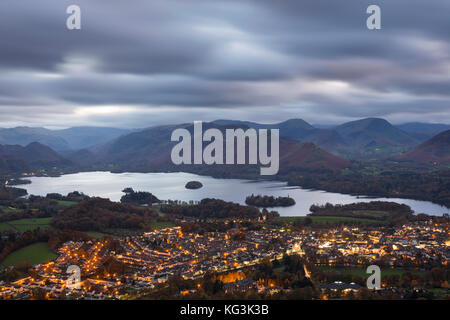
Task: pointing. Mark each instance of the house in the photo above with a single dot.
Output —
(338, 285)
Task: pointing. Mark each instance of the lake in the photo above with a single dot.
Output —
(171, 186)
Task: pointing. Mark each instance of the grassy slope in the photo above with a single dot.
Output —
(161, 224)
(6, 209)
(26, 224)
(34, 254)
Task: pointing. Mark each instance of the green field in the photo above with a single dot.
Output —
(8, 209)
(26, 224)
(161, 224)
(96, 235)
(34, 254)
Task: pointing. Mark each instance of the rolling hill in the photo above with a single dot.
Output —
(435, 150)
(369, 130)
(374, 138)
(15, 158)
(329, 140)
(306, 155)
(84, 137)
(294, 128)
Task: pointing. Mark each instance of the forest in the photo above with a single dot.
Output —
(212, 208)
(269, 201)
(420, 185)
(377, 210)
(98, 214)
(10, 193)
(37, 206)
(138, 198)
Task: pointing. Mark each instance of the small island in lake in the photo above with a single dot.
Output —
(138, 198)
(193, 185)
(269, 201)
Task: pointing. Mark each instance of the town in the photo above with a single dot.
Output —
(133, 267)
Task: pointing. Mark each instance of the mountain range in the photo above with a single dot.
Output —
(361, 139)
(302, 145)
(151, 148)
(60, 140)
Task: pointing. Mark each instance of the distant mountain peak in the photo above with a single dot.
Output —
(60, 140)
(297, 121)
(368, 123)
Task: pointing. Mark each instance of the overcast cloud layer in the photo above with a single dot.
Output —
(145, 62)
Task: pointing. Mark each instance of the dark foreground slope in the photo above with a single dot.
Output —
(436, 150)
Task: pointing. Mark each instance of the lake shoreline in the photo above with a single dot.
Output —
(248, 180)
(93, 181)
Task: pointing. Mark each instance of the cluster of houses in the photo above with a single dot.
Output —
(414, 244)
(148, 259)
(145, 260)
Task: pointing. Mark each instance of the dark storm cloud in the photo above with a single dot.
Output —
(259, 60)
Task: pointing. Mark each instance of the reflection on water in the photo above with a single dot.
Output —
(171, 186)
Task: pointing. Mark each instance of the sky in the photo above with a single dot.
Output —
(141, 63)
